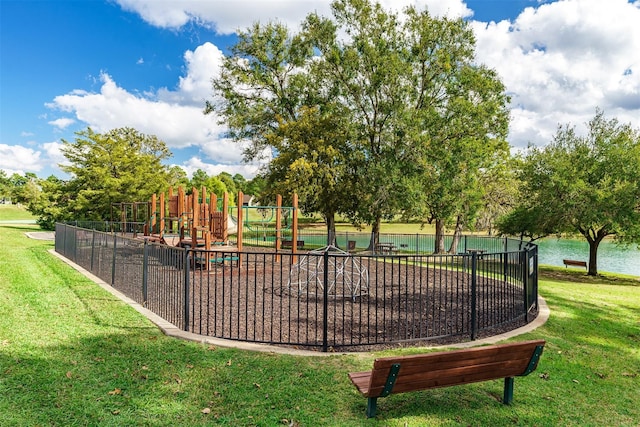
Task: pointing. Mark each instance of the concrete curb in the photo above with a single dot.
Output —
(171, 330)
(41, 235)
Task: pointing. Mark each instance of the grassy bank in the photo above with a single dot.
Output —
(14, 213)
(71, 354)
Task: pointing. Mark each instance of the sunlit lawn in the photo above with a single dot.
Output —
(14, 212)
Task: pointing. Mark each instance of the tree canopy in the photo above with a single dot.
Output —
(393, 105)
(582, 184)
(122, 165)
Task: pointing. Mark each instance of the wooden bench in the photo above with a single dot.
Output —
(214, 259)
(386, 248)
(568, 262)
(402, 374)
(289, 244)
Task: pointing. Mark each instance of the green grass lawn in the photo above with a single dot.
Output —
(14, 212)
(71, 354)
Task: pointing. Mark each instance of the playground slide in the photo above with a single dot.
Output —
(171, 239)
(232, 226)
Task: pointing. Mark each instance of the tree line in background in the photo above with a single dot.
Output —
(122, 165)
(373, 116)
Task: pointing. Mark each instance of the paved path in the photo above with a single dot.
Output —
(41, 235)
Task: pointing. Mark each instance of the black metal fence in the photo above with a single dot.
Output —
(322, 299)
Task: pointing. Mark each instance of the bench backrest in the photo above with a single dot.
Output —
(448, 368)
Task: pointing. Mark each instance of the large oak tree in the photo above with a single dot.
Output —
(420, 117)
(121, 165)
(582, 184)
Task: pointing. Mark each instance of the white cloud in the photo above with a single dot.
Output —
(174, 116)
(563, 60)
(194, 163)
(195, 87)
(229, 16)
(18, 159)
(54, 155)
(62, 123)
(559, 62)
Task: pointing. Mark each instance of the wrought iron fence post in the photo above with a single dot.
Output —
(75, 246)
(505, 265)
(93, 246)
(113, 261)
(535, 272)
(474, 305)
(186, 289)
(145, 273)
(64, 240)
(325, 303)
(525, 282)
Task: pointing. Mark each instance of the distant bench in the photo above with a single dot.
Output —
(568, 262)
(402, 374)
(289, 244)
(386, 248)
(201, 260)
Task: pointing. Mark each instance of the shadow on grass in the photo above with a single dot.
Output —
(580, 276)
(22, 227)
(109, 379)
(149, 379)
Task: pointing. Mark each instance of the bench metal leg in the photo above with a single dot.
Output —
(371, 407)
(508, 391)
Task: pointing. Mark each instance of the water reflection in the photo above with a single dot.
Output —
(611, 257)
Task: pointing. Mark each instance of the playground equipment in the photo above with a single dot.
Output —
(346, 277)
(201, 221)
(130, 216)
(268, 226)
(192, 220)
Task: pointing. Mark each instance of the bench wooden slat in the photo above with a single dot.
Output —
(445, 365)
(361, 381)
(426, 367)
(443, 369)
(449, 377)
(462, 354)
(575, 263)
(457, 357)
(289, 244)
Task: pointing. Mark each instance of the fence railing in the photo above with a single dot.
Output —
(323, 299)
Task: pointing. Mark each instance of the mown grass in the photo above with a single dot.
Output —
(14, 212)
(71, 354)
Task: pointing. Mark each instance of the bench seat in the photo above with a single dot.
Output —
(568, 262)
(403, 374)
(289, 244)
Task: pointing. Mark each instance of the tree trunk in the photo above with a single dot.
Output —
(330, 220)
(375, 234)
(453, 249)
(593, 257)
(594, 239)
(439, 243)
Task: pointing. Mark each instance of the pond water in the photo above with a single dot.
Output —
(611, 257)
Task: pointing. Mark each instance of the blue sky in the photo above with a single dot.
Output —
(66, 65)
